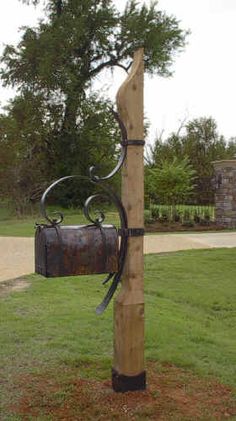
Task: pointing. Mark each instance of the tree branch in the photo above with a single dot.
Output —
(59, 7)
(110, 63)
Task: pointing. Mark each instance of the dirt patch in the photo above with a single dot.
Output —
(13, 285)
(172, 394)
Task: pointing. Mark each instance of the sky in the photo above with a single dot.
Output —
(204, 79)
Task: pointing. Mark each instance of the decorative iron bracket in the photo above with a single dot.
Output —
(124, 231)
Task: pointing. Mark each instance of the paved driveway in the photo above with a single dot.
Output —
(174, 242)
(17, 254)
(16, 257)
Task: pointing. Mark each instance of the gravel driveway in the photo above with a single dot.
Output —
(17, 254)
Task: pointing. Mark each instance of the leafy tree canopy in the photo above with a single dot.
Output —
(53, 68)
(79, 38)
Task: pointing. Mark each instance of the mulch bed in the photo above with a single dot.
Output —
(177, 226)
(172, 394)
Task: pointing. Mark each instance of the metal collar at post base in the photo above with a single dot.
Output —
(122, 383)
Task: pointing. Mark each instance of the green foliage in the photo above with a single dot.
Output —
(23, 137)
(148, 219)
(191, 214)
(53, 68)
(201, 143)
(32, 155)
(25, 226)
(171, 183)
(82, 37)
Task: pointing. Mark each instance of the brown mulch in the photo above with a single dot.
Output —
(172, 394)
(177, 226)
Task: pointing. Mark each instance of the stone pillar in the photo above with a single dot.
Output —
(225, 192)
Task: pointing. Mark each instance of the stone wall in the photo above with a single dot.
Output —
(225, 192)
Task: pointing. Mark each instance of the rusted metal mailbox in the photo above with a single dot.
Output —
(76, 250)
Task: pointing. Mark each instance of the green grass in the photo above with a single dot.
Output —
(194, 322)
(190, 319)
(25, 227)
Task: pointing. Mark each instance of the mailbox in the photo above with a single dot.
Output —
(76, 250)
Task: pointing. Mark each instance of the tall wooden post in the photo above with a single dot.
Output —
(128, 367)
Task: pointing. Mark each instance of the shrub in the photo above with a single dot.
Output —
(147, 217)
(171, 183)
(155, 212)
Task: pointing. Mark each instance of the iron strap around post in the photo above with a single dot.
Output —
(132, 232)
(133, 142)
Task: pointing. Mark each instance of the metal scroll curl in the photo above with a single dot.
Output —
(92, 170)
(111, 196)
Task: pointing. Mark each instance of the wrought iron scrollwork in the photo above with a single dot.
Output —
(107, 193)
(100, 215)
(92, 170)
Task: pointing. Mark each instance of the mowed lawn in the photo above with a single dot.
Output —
(190, 318)
(12, 226)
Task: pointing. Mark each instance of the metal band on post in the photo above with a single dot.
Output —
(133, 142)
(122, 383)
(132, 232)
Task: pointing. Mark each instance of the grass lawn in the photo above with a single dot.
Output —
(51, 338)
(25, 227)
(12, 226)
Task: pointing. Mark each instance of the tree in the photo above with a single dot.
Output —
(29, 148)
(231, 148)
(201, 144)
(57, 62)
(171, 183)
(23, 137)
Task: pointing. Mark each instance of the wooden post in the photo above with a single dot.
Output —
(128, 367)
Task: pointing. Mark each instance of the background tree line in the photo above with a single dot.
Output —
(55, 126)
(179, 168)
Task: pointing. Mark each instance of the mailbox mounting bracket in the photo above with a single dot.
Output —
(109, 194)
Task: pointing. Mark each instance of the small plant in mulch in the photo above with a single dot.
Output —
(176, 216)
(186, 215)
(207, 216)
(169, 218)
(196, 218)
(148, 219)
(155, 211)
(164, 218)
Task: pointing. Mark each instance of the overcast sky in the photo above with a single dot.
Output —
(204, 80)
